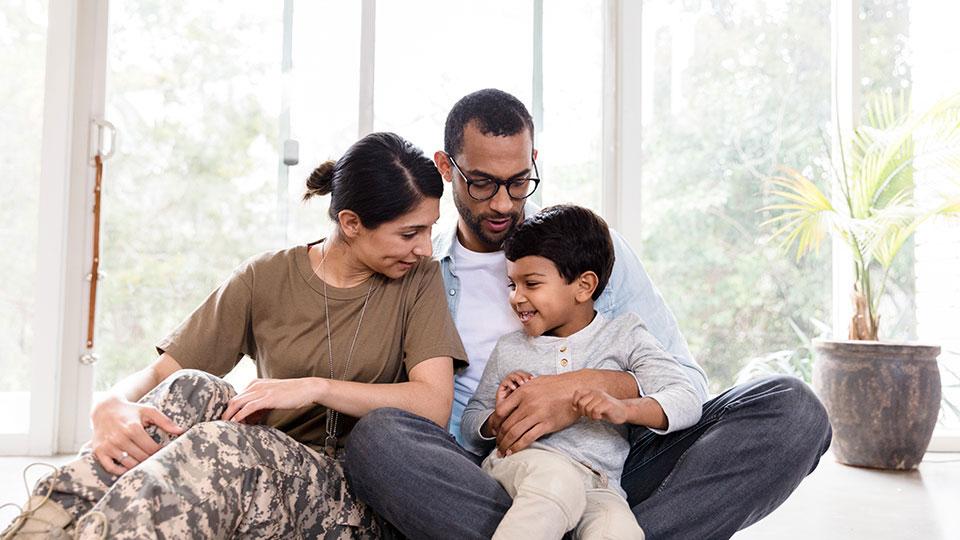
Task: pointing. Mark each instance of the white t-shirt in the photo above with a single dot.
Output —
(483, 315)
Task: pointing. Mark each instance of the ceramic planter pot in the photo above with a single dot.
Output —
(883, 400)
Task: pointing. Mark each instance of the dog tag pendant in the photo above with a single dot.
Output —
(330, 445)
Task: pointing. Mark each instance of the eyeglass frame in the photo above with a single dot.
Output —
(498, 182)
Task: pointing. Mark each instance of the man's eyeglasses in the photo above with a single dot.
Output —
(483, 189)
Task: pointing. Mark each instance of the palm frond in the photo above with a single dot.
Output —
(804, 220)
(881, 212)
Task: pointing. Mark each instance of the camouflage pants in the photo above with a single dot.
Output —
(217, 480)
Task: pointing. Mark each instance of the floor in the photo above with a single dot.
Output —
(849, 503)
(835, 502)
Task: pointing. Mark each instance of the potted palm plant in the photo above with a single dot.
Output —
(883, 398)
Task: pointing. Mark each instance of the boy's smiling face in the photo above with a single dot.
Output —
(544, 301)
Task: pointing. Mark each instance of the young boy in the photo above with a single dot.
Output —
(558, 263)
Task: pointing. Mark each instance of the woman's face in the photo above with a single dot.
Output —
(392, 248)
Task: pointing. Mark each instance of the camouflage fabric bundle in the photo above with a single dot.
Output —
(217, 480)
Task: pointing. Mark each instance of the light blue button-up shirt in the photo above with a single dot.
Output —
(629, 290)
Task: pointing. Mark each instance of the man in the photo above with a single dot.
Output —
(750, 450)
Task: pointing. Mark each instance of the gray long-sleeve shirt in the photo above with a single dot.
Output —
(619, 344)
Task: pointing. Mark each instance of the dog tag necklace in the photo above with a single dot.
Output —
(333, 417)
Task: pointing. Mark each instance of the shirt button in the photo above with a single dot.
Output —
(453, 292)
(563, 349)
(563, 362)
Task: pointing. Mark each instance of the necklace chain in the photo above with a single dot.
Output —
(333, 417)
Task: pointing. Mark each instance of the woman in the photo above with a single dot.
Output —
(327, 324)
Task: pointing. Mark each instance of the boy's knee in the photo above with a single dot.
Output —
(609, 518)
(560, 483)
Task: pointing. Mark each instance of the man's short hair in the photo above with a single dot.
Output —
(495, 112)
(572, 237)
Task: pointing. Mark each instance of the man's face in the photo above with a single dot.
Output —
(483, 225)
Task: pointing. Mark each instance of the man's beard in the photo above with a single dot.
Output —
(474, 223)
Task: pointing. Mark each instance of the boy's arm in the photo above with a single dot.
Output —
(481, 407)
(599, 405)
(662, 381)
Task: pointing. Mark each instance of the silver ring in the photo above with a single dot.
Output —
(124, 455)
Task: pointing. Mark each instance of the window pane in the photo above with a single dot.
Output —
(906, 46)
(194, 90)
(572, 130)
(732, 91)
(324, 101)
(430, 53)
(886, 68)
(23, 36)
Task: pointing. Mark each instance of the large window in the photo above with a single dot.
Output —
(905, 46)
(204, 95)
(194, 90)
(23, 30)
(732, 92)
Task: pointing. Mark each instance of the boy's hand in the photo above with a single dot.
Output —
(509, 384)
(545, 404)
(513, 380)
(599, 405)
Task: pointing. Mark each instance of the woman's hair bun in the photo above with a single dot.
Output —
(320, 181)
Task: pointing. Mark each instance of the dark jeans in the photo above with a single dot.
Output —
(750, 450)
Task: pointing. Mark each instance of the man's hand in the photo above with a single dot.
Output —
(540, 406)
(599, 405)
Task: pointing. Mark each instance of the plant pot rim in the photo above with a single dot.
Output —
(834, 344)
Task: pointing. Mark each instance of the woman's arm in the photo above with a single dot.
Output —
(137, 384)
(429, 393)
(119, 439)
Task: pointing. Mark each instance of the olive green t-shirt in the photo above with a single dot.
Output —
(272, 310)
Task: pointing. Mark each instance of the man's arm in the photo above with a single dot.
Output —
(630, 290)
(545, 404)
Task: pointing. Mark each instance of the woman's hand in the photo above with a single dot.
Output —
(119, 440)
(264, 394)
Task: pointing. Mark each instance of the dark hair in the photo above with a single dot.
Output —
(496, 113)
(572, 237)
(381, 177)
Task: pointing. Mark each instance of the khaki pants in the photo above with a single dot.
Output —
(553, 494)
(217, 480)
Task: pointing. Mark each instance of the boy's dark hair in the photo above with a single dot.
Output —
(575, 239)
(496, 113)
